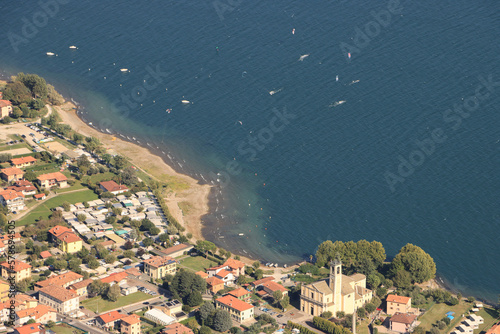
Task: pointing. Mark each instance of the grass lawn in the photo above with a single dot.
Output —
(43, 209)
(66, 329)
(197, 263)
(306, 279)
(101, 177)
(490, 316)
(105, 305)
(438, 312)
(362, 328)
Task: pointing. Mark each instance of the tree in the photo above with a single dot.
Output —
(419, 330)
(163, 237)
(471, 299)
(402, 279)
(370, 308)
(74, 264)
(93, 263)
(185, 281)
(60, 264)
(206, 310)
(204, 246)
(194, 299)
(326, 315)
(113, 293)
(128, 245)
(373, 281)
(66, 206)
(361, 312)
(97, 288)
(222, 321)
(23, 285)
(205, 330)
(17, 92)
(340, 314)
(415, 261)
(81, 217)
(30, 176)
(119, 162)
(277, 296)
(110, 258)
(285, 301)
(256, 264)
(34, 83)
(147, 242)
(258, 274)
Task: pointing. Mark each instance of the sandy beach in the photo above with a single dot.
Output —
(192, 194)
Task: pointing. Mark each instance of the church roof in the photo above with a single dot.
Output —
(357, 277)
(322, 286)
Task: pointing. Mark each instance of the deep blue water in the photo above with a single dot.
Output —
(321, 174)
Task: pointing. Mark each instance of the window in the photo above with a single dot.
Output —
(312, 295)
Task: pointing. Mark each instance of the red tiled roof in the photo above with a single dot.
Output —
(5, 103)
(59, 230)
(214, 281)
(273, 286)
(116, 277)
(23, 160)
(52, 176)
(403, 318)
(59, 280)
(59, 293)
(239, 292)
(262, 280)
(111, 316)
(202, 274)
(69, 237)
(223, 273)
(36, 312)
(10, 194)
(11, 171)
(18, 265)
(39, 195)
(112, 186)
(159, 261)
(5, 237)
(176, 328)
(398, 299)
(28, 329)
(234, 264)
(176, 248)
(131, 319)
(81, 284)
(234, 303)
(45, 254)
(494, 330)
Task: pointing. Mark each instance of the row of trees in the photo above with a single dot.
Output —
(24, 88)
(411, 265)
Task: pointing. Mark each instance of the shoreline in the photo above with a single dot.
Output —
(196, 194)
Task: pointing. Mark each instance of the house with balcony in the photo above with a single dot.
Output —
(13, 200)
(398, 304)
(239, 310)
(50, 180)
(23, 162)
(11, 174)
(159, 266)
(17, 269)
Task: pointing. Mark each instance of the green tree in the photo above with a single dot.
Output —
(97, 288)
(60, 264)
(206, 310)
(66, 206)
(258, 274)
(119, 162)
(113, 293)
(222, 321)
(30, 175)
(128, 253)
(74, 264)
(194, 298)
(147, 242)
(93, 263)
(277, 296)
(205, 330)
(185, 281)
(361, 312)
(370, 308)
(285, 301)
(17, 93)
(256, 264)
(34, 83)
(326, 315)
(110, 258)
(402, 279)
(415, 261)
(81, 217)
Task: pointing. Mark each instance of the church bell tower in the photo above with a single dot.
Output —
(335, 283)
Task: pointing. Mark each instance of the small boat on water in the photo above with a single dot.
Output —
(185, 102)
(51, 54)
(241, 234)
(73, 47)
(124, 69)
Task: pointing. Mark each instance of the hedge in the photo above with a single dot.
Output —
(302, 329)
(329, 327)
(164, 207)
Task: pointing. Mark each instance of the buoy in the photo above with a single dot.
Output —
(349, 55)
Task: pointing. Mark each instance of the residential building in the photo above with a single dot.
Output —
(13, 200)
(24, 186)
(50, 180)
(11, 174)
(62, 280)
(117, 278)
(5, 108)
(16, 237)
(178, 250)
(113, 187)
(17, 269)
(80, 288)
(25, 302)
(176, 328)
(239, 310)
(226, 276)
(159, 317)
(39, 313)
(271, 287)
(35, 328)
(45, 255)
(159, 266)
(202, 274)
(40, 197)
(257, 283)
(336, 293)
(214, 284)
(173, 308)
(240, 293)
(63, 300)
(398, 304)
(236, 267)
(494, 330)
(402, 322)
(66, 239)
(110, 320)
(23, 162)
(4, 291)
(130, 324)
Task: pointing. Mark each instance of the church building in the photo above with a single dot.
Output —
(336, 293)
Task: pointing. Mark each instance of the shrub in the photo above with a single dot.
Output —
(329, 327)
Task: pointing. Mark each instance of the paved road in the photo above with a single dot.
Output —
(80, 324)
